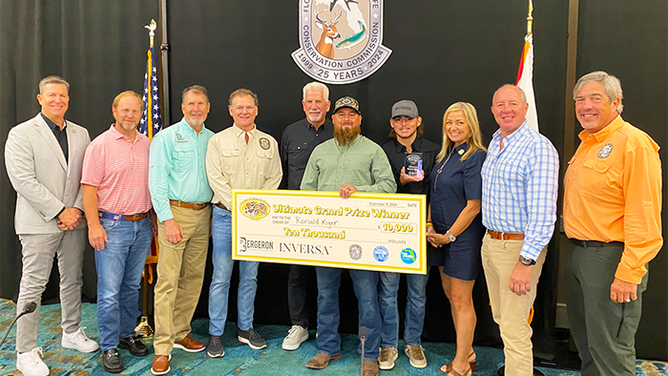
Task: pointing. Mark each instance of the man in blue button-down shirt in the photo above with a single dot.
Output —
(181, 195)
(519, 198)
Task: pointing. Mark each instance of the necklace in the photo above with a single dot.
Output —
(440, 169)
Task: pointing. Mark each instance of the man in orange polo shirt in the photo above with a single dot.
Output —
(612, 215)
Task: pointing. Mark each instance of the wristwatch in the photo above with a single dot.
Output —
(450, 236)
(527, 261)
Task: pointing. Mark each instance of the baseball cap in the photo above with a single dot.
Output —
(349, 102)
(405, 107)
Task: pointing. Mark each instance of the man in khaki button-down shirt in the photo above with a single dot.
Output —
(239, 157)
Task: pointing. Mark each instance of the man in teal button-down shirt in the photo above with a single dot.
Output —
(181, 195)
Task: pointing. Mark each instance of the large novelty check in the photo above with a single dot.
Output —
(368, 231)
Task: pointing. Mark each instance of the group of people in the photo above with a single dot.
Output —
(493, 206)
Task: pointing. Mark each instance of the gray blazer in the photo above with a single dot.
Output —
(43, 180)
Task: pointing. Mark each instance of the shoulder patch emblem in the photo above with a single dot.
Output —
(605, 151)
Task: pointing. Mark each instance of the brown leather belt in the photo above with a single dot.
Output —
(115, 217)
(189, 205)
(220, 205)
(505, 235)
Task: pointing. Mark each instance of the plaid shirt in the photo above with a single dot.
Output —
(519, 187)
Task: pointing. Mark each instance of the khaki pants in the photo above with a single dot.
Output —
(510, 311)
(180, 275)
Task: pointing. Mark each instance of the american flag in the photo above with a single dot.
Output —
(151, 124)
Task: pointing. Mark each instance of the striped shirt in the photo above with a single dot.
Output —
(118, 168)
(519, 187)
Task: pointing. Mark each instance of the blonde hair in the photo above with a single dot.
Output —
(128, 93)
(475, 136)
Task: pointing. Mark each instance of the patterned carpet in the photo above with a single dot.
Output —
(239, 359)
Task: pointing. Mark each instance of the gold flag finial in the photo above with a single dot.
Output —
(151, 31)
(530, 18)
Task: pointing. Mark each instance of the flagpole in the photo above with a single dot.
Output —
(143, 329)
(530, 18)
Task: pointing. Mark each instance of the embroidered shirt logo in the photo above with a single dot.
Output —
(605, 151)
(264, 143)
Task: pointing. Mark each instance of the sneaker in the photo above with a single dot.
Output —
(31, 364)
(79, 341)
(296, 335)
(111, 361)
(252, 339)
(387, 357)
(416, 356)
(215, 348)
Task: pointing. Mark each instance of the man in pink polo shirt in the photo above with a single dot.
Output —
(117, 202)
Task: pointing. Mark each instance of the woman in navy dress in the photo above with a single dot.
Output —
(455, 225)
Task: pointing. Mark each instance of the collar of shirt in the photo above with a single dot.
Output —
(461, 149)
(238, 132)
(116, 134)
(350, 144)
(508, 140)
(308, 125)
(52, 125)
(604, 133)
(184, 126)
(416, 146)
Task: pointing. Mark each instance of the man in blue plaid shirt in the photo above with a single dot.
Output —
(519, 203)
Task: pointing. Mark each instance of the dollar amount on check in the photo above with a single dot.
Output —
(368, 231)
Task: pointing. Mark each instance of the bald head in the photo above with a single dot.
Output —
(509, 106)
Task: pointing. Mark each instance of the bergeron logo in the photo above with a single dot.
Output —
(340, 39)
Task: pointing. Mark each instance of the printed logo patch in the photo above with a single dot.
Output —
(255, 209)
(355, 251)
(408, 256)
(381, 253)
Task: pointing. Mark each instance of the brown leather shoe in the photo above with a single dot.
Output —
(370, 368)
(160, 364)
(189, 344)
(321, 360)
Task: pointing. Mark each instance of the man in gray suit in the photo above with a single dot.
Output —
(44, 156)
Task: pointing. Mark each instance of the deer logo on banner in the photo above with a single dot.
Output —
(341, 40)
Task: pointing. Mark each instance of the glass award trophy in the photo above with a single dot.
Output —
(413, 164)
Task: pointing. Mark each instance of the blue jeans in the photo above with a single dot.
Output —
(222, 272)
(366, 290)
(416, 300)
(119, 266)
